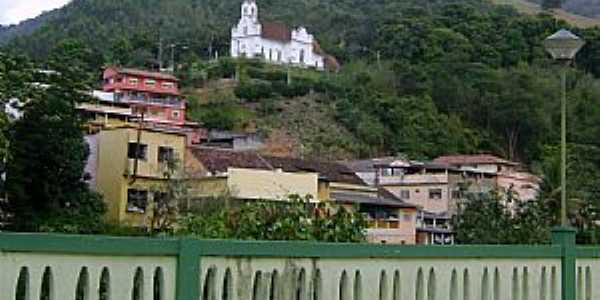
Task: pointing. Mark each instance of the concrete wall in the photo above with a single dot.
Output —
(419, 195)
(210, 270)
(366, 279)
(65, 270)
(271, 185)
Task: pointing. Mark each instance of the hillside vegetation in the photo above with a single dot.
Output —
(460, 76)
(573, 12)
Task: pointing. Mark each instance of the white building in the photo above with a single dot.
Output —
(274, 42)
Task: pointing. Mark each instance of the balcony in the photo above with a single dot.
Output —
(170, 102)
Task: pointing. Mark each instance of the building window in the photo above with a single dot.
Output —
(408, 218)
(133, 81)
(137, 201)
(278, 55)
(168, 85)
(270, 54)
(302, 56)
(435, 194)
(150, 82)
(404, 194)
(386, 172)
(139, 151)
(165, 154)
(175, 115)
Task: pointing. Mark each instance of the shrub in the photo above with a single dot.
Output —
(253, 92)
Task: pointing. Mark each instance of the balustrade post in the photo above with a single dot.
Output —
(565, 237)
(188, 271)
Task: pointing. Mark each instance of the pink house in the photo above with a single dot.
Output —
(153, 93)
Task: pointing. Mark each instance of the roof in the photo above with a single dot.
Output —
(143, 73)
(370, 165)
(276, 32)
(473, 159)
(384, 199)
(219, 160)
(331, 171)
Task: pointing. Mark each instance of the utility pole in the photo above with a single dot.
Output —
(172, 58)
(160, 54)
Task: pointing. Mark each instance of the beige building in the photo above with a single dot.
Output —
(510, 177)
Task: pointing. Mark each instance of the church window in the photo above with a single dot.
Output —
(245, 30)
(302, 56)
(252, 11)
(270, 54)
(245, 10)
(278, 55)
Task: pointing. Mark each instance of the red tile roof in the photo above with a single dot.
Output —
(334, 172)
(276, 31)
(472, 159)
(219, 160)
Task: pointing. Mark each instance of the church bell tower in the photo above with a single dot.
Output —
(250, 11)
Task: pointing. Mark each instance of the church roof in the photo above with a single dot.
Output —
(276, 31)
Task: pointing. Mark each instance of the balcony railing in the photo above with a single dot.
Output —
(173, 102)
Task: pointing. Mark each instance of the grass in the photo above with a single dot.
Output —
(526, 7)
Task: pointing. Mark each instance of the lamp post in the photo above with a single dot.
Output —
(563, 46)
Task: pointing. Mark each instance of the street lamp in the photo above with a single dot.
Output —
(563, 46)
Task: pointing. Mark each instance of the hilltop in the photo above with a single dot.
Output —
(573, 11)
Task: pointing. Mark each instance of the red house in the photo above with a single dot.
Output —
(154, 93)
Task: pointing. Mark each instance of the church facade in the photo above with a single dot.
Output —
(274, 42)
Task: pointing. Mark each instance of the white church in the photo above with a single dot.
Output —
(275, 42)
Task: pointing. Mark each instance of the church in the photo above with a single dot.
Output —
(275, 42)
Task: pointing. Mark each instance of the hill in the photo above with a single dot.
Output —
(574, 12)
(25, 28)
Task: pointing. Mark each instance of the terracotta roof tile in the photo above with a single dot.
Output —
(276, 31)
(334, 172)
(219, 160)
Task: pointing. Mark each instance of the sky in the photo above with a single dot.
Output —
(15, 11)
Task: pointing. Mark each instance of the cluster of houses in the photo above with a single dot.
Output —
(137, 126)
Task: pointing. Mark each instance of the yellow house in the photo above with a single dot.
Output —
(245, 175)
(130, 165)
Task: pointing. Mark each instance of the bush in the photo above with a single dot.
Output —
(268, 75)
(293, 219)
(253, 92)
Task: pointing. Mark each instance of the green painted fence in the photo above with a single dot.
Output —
(58, 267)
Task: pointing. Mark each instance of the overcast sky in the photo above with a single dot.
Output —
(15, 11)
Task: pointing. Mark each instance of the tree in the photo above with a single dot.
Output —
(169, 198)
(47, 155)
(293, 218)
(484, 219)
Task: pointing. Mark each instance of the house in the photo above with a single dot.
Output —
(230, 140)
(248, 175)
(154, 95)
(390, 220)
(275, 42)
(127, 166)
(245, 175)
(435, 189)
(510, 177)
